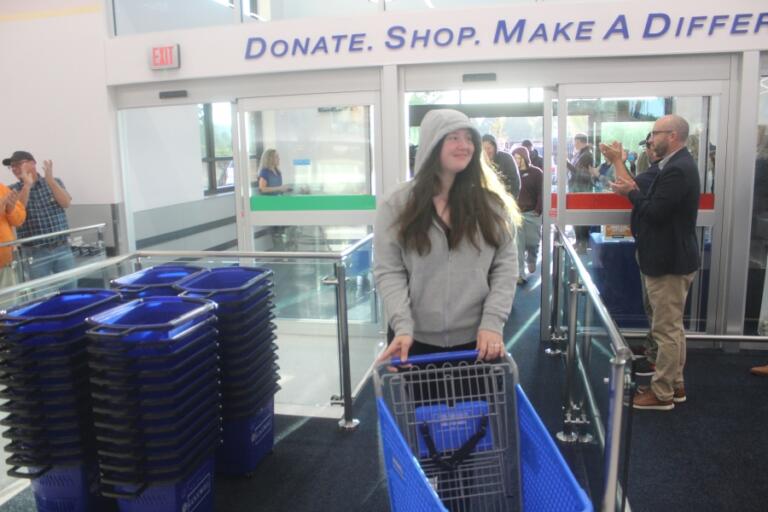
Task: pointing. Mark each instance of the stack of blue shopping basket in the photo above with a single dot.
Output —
(155, 383)
(248, 361)
(44, 370)
(153, 281)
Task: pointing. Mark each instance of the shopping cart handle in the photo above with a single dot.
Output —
(438, 357)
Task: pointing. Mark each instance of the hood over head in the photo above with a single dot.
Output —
(437, 124)
(524, 154)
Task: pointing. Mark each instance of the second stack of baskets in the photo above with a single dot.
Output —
(156, 403)
(248, 361)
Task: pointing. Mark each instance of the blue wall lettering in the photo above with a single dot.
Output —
(259, 43)
(584, 32)
(501, 31)
(657, 25)
(651, 23)
(562, 30)
(619, 26)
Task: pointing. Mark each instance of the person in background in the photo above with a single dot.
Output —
(504, 163)
(530, 204)
(580, 176)
(536, 159)
(12, 215)
(632, 160)
(667, 250)
(270, 177)
(445, 257)
(45, 200)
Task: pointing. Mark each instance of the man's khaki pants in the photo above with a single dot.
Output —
(667, 296)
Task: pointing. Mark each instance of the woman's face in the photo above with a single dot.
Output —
(519, 161)
(277, 160)
(457, 151)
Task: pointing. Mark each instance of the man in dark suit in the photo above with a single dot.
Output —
(664, 219)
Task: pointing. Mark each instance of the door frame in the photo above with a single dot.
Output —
(713, 219)
(246, 218)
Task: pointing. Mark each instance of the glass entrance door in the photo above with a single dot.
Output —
(306, 167)
(307, 175)
(590, 114)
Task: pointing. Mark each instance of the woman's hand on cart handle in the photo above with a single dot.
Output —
(399, 348)
(490, 345)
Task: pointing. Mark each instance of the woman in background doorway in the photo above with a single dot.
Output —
(270, 177)
(529, 201)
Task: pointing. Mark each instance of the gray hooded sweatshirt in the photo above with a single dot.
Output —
(444, 297)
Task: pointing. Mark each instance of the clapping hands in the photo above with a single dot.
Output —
(48, 169)
(8, 202)
(612, 152)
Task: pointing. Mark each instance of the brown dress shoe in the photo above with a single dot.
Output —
(649, 401)
(760, 371)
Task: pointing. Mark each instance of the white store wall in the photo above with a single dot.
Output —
(53, 98)
(161, 156)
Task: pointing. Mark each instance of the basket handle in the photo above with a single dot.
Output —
(438, 357)
(108, 490)
(453, 462)
(14, 472)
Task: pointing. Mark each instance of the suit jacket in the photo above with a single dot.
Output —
(643, 180)
(665, 219)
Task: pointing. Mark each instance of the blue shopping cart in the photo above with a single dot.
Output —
(460, 435)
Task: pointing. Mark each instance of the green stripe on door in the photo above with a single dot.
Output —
(305, 203)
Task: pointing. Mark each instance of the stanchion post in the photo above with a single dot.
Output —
(347, 423)
(567, 435)
(555, 333)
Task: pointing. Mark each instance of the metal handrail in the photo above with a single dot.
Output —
(348, 423)
(21, 241)
(620, 347)
(64, 276)
(240, 254)
(702, 336)
(610, 440)
(352, 248)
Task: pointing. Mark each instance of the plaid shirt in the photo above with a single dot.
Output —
(44, 215)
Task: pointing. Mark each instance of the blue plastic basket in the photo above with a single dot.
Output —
(452, 426)
(226, 285)
(548, 485)
(69, 488)
(154, 281)
(151, 319)
(58, 312)
(246, 441)
(193, 493)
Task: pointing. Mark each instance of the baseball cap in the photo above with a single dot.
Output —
(18, 156)
(644, 142)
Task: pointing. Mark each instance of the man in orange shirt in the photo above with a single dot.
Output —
(12, 214)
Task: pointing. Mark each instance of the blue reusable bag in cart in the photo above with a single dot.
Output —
(451, 428)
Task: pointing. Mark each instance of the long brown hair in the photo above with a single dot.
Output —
(475, 205)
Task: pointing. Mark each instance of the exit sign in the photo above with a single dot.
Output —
(164, 57)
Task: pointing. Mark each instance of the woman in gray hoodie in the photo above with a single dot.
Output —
(445, 257)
